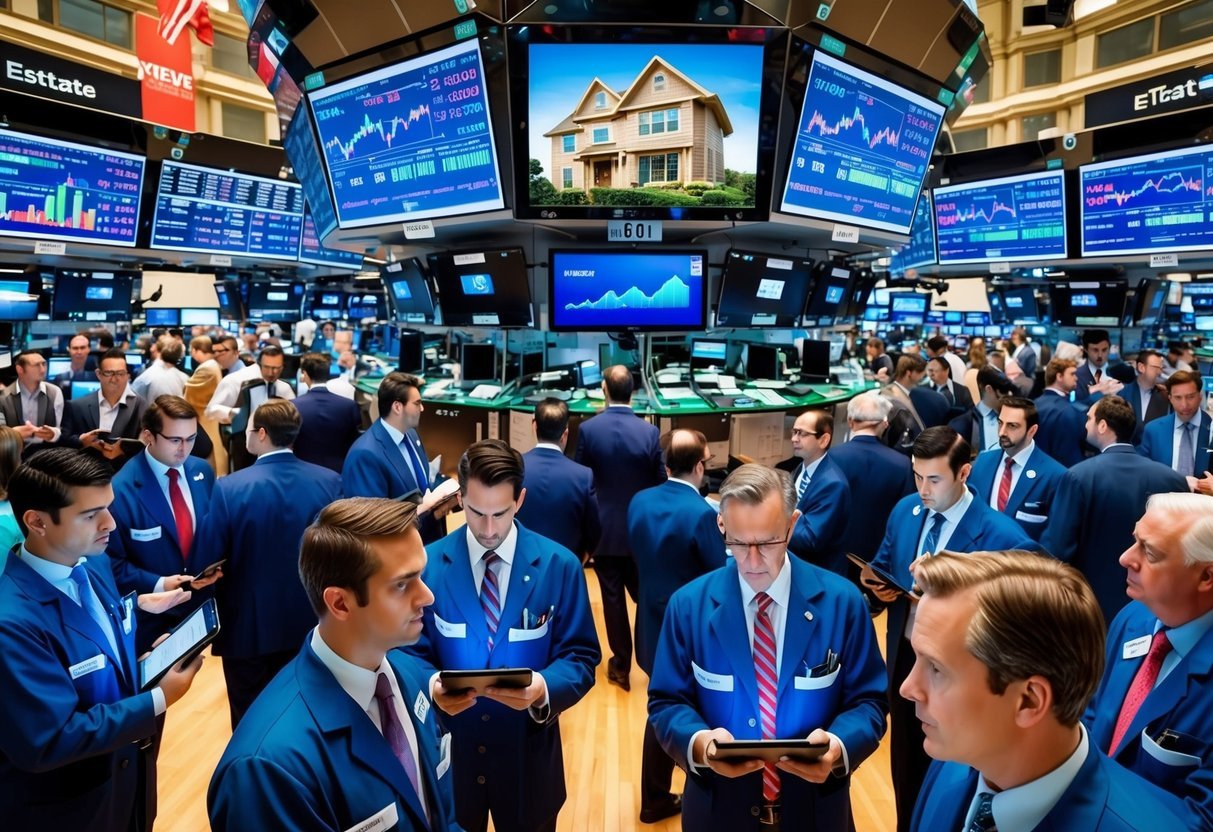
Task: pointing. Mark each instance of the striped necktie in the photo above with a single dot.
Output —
(490, 595)
(768, 680)
(983, 818)
(803, 486)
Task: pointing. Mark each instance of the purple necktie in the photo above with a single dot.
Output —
(393, 731)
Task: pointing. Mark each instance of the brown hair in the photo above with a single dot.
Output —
(11, 444)
(1057, 367)
(977, 354)
(683, 449)
(491, 462)
(167, 407)
(281, 421)
(1182, 377)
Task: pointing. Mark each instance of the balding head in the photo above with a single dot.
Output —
(684, 450)
(617, 383)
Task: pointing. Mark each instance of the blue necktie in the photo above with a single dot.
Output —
(1186, 464)
(983, 818)
(490, 595)
(930, 543)
(803, 487)
(91, 604)
(423, 480)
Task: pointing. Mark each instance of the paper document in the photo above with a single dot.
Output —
(435, 467)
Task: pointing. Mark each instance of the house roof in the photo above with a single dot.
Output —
(566, 126)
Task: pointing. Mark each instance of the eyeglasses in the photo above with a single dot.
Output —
(112, 373)
(177, 441)
(220, 350)
(799, 432)
(766, 548)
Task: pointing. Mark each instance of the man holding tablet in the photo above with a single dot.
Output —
(75, 728)
(344, 736)
(769, 647)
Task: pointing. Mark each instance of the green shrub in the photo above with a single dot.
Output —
(570, 196)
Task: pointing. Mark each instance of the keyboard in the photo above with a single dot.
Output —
(767, 397)
(770, 384)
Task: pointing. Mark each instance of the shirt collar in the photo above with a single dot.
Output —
(957, 510)
(1021, 458)
(624, 406)
(811, 468)
(1116, 445)
(779, 590)
(356, 681)
(552, 446)
(274, 453)
(1093, 368)
(56, 574)
(1195, 420)
(684, 482)
(127, 394)
(396, 436)
(1024, 807)
(160, 469)
(27, 393)
(904, 389)
(505, 551)
(984, 409)
(320, 385)
(1186, 636)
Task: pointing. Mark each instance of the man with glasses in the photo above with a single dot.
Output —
(30, 405)
(78, 351)
(1147, 397)
(823, 495)
(161, 500)
(237, 397)
(98, 421)
(226, 352)
(674, 539)
(767, 647)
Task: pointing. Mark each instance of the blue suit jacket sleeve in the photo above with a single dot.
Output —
(861, 718)
(709, 543)
(672, 711)
(258, 794)
(575, 645)
(363, 475)
(1061, 537)
(591, 523)
(823, 518)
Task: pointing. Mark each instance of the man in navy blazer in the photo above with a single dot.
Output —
(823, 495)
(506, 597)
(1098, 501)
(979, 426)
(1167, 737)
(257, 519)
(675, 539)
(1163, 439)
(85, 425)
(1018, 479)
(330, 422)
(75, 728)
(1002, 715)
(563, 505)
(943, 514)
(1063, 432)
(330, 743)
(1146, 397)
(381, 463)
(624, 453)
(955, 393)
(810, 670)
(1093, 379)
(152, 551)
(1022, 353)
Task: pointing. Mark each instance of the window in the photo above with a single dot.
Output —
(1125, 44)
(1187, 24)
(568, 143)
(600, 101)
(1040, 68)
(566, 177)
(231, 55)
(243, 123)
(981, 92)
(976, 139)
(88, 17)
(1032, 125)
(660, 168)
(658, 82)
(601, 134)
(658, 121)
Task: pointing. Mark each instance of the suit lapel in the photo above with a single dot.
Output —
(153, 497)
(524, 575)
(797, 627)
(727, 622)
(1082, 804)
(108, 593)
(395, 457)
(964, 537)
(92, 406)
(1202, 445)
(1026, 485)
(947, 802)
(1191, 671)
(459, 585)
(985, 486)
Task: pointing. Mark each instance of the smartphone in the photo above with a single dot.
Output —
(185, 642)
(885, 578)
(205, 573)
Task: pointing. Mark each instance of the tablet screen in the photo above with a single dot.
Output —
(194, 631)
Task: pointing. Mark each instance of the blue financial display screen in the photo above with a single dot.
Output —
(410, 141)
(920, 251)
(1006, 219)
(862, 148)
(1156, 203)
(598, 289)
(312, 251)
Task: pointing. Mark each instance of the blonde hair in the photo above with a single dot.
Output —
(1197, 541)
(977, 355)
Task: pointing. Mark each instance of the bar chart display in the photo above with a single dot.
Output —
(207, 210)
(1008, 219)
(862, 148)
(627, 290)
(920, 251)
(55, 190)
(410, 141)
(1162, 202)
(311, 251)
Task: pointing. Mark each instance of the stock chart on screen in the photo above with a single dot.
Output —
(1012, 218)
(64, 191)
(597, 289)
(862, 148)
(410, 141)
(920, 251)
(1155, 203)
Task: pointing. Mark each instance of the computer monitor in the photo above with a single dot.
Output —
(412, 351)
(815, 360)
(708, 354)
(589, 374)
(199, 317)
(163, 317)
(80, 389)
(57, 366)
(479, 362)
(762, 361)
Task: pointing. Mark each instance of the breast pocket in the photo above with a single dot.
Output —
(530, 647)
(1162, 766)
(95, 680)
(717, 697)
(815, 700)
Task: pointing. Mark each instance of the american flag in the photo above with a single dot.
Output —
(175, 15)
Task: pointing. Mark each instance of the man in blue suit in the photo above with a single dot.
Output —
(344, 737)
(823, 496)
(1162, 643)
(769, 647)
(944, 514)
(563, 505)
(114, 410)
(330, 422)
(624, 453)
(1018, 479)
(1180, 441)
(1147, 398)
(75, 728)
(1002, 715)
(1093, 379)
(506, 597)
(381, 463)
(1098, 501)
(675, 539)
(1063, 432)
(979, 426)
(257, 518)
(1023, 354)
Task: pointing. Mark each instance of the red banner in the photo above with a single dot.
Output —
(166, 74)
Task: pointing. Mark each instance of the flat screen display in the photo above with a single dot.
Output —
(1198, 297)
(366, 305)
(408, 291)
(1007, 219)
(483, 288)
(998, 312)
(55, 190)
(920, 251)
(17, 302)
(977, 318)
(199, 317)
(1159, 202)
(1087, 303)
(761, 290)
(313, 252)
(274, 301)
(1150, 301)
(1020, 306)
(325, 303)
(92, 296)
(410, 141)
(231, 302)
(708, 353)
(862, 148)
(601, 290)
(301, 148)
(208, 210)
(163, 317)
(830, 284)
(907, 308)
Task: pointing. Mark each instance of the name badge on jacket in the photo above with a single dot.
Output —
(450, 630)
(128, 612)
(712, 681)
(386, 818)
(144, 535)
(87, 666)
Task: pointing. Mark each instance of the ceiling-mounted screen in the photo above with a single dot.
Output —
(222, 212)
(1019, 305)
(1006, 219)
(1150, 301)
(862, 148)
(231, 302)
(920, 251)
(410, 141)
(408, 291)
(762, 290)
(608, 290)
(56, 190)
(304, 155)
(275, 301)
(908, 308)
(17, 300)
(483, 288)
(1157, 203)
(92, 296)
(831, 281)
(1087, 302)
(312, 252)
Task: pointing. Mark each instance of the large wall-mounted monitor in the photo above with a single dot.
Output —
(312, 252)
(1019, 305)
(920, 251)
(831, 282)
(1150, 301)
(19, 300)
(410, 141)
(1002, 220)
(222, 212)
(231, 301)
(613, 289)
(862, 148)
(762, 290)
(1161, 202)
(483, 288)
(675, 123)
(56, 190)
(324, 303)
(92, 296)
(304, 154)
(408, 291)
(909, 308)
(274, 301)
(1087, 302)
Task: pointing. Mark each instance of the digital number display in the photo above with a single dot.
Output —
(920, 251)
(1012, 218)
(311, 250)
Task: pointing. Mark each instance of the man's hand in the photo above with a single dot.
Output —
(451, 702)
(46, 433)
(882, 375)
(92, 438)
(158, 602)
(519, 698)
(725, 768)
(878, 587)
(818, 770)
(178, 680)
(27, 431)
(110, 450)
(1108, 386)
(1204, 485)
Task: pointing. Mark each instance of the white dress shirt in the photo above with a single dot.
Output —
(222, 406)
(808, 470)
(108, 414)
(160, 379)
(341, 386)
(951, 516)
(1177, 437)
(160, 470)
(505, 551)
(29, 409)
(1022, 808)
(1021, 460)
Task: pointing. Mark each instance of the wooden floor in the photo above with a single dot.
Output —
(601, 755)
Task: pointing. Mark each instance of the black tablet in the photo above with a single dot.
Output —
(770, 750)
(478, 680)
(884, 576)
(184, 642)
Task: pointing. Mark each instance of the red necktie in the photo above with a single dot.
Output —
(1098, 376)
(1004, 485)
(764, 671)
(1143, 683)
(181, 514)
